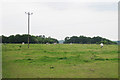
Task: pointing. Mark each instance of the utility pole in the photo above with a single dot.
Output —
(28, 13)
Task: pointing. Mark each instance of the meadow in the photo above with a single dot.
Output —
(59, 61)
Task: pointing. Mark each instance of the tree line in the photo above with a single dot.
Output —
(24, 38)
(88, 40)
(41, 39)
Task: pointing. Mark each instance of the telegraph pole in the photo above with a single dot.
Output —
(28, 13)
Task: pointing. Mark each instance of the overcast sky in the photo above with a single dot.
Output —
(61, 18)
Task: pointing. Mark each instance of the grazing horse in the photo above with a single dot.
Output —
(101, 45)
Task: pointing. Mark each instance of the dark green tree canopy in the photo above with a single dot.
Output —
(88, 40)
(43, 40)
(24, 38)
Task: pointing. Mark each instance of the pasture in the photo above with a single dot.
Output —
(59, 61)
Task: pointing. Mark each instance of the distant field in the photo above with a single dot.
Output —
(60, 61)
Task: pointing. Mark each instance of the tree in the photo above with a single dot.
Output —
(88, 40)
(24, 38)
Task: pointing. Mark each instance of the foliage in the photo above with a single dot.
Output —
(88, 40)
(43, 40)
(24, 38)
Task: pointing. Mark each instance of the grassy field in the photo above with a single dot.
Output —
(60, 61)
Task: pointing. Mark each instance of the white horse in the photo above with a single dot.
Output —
(23, 43)
(101, 45)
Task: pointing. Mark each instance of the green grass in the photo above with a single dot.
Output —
(60, 61)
